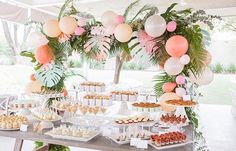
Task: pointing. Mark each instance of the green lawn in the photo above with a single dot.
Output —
(218, 92)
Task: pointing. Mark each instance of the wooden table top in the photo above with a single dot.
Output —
(98, 143)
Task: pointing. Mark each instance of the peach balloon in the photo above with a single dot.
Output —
(51, 28)
(165, 97)
(33, 86)
(43, 54)
(176, 46)
(32, 77)
(68, 24)
(168, 87)
(123, 32)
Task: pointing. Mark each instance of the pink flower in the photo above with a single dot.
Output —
(120, 19)
(147, 42)
(79, 31)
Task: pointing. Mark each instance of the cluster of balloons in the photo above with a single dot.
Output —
(177, 47)
(53, 28)
(116, 24)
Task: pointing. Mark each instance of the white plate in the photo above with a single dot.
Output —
(88, 121)
(58, 119)
(133, 124)
(72, 137)
(127, 141)
(164, 125)
(12, 129)
(170, 145)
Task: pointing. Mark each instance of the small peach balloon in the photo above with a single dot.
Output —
(68, 24)
(65, 92)
(176, 46)
(123, 32)
(43, 54)
(51, 28)
(168, 87)
(32, 77)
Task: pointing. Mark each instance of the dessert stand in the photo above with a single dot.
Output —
(45, 97)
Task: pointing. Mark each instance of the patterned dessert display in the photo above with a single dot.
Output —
(12, 122)
(45, 115)
(65, 105)
(173, 120)
(73, 133)
(132, 120)
(146, 107)
(89, 86)
(168, 138)
(97, 100)
(124, 95)
(181, 103)
(92, 110)
(21, 104)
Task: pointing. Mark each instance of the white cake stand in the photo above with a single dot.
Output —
(124, 110)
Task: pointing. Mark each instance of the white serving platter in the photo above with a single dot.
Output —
(81, 139)
(170, 145)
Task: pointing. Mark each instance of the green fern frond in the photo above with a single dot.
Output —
(159, 80)
(130, 9)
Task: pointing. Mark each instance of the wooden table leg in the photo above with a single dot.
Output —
(18, 144)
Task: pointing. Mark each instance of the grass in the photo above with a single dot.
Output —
(218, 92)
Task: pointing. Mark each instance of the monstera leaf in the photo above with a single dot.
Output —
(50, 74)
(100, 40)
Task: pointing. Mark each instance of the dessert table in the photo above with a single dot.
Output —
(98, 143)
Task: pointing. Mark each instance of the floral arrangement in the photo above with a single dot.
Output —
(173, 40)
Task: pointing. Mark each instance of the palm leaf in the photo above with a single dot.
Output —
(130, 9)
(148, 9)
(50, 74)
(159, 80)
(99, 42)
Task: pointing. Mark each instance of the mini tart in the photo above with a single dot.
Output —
(181, 102)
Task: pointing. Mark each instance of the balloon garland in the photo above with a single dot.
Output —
(173, 40)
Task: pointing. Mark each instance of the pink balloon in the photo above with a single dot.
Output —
(120, 19)
(176, 46)
(79, 31)
(171, 26)
(180, 79)
(168, 87)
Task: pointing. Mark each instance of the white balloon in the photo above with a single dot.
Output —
(205, 78)
(185, 59)
(173, 66)
(109, 19)
(180, 92)
(37, 39)
(155, 26)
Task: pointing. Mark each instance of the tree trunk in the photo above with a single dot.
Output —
(118, 66)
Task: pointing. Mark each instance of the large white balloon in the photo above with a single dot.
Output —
(173, 66)
(109, 19)
(155, 26)
(37, 39)
(180, 92)
(205, 78)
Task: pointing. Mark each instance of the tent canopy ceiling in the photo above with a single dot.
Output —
(17, 10)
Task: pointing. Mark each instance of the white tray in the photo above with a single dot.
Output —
(127, 141)
(58, 119)
(170, 145)
(164, 125)
(12, 129)
(133, 124)
(71, 137)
